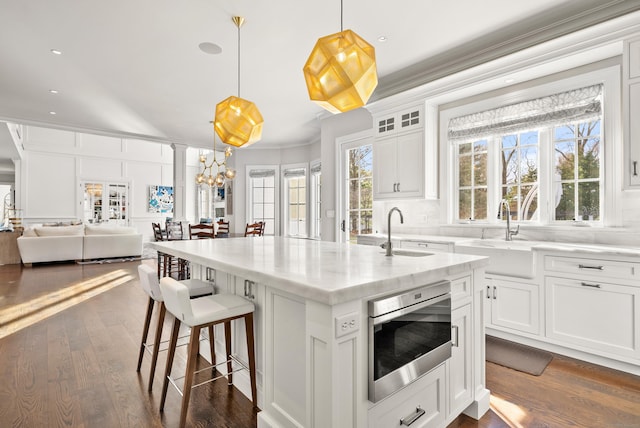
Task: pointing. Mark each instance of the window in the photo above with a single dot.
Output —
(315, 197)
(262, 196)
(577, 166)
(500, 154)
(295, 188)
(360, 194)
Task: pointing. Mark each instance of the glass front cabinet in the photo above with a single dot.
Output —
(105, 202)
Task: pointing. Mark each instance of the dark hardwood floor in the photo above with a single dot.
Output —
(75, 367)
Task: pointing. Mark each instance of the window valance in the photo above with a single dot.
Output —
(295, 172)
(578, 104)
(262, 173)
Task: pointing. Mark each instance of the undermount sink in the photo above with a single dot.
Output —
(410, 253)
(512, 258)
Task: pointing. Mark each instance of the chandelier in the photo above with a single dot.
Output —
(222, 171)
(238, 122)
(341, 71)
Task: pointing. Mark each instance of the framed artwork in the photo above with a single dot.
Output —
(160, 199)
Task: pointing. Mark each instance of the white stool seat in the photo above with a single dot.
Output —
(151, 285)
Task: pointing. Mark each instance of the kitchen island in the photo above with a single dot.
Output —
(311, 326)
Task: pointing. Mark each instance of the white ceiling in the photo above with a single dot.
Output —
(134, 69)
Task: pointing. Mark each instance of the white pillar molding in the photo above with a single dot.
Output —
(179, 181)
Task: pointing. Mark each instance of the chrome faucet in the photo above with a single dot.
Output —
(508, 234)
(387, 245)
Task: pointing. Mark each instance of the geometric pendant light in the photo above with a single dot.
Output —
(341, 71)
(238, 122)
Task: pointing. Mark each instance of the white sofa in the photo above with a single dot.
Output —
(78, 242)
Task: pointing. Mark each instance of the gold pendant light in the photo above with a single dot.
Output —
(341, 71)
(238, 122)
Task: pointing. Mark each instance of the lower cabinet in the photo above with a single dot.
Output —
(422, 402)
(594, 314)
(460, 365)
(513, 305)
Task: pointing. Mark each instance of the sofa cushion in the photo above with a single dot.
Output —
(108, 230)
(29, 232)
(60, 231)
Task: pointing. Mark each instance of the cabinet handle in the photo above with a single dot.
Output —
(581, 266)
(586, 284)
(635, 168)
(423, 244)
(488, 292)
(398, 187)
(495, 292)
(455, 343)
(211, 275)
(248, 293)
(408, 420)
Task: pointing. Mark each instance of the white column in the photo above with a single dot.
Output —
(179, 181)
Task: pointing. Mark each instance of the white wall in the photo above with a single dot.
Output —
(257, 156)
(55, 161)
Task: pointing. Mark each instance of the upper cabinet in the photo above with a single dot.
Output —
(399, 155)
(631, 107)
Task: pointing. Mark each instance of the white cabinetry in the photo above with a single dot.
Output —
(399, 155)
(460, 367)
(444, 247)
(631, 107)
(513, 305)
(594, 305)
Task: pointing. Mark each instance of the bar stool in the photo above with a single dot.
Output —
(197, 314)
(151, 286)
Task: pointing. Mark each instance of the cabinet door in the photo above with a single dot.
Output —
(594, 314)
(410, 165)
(514, 305)
(460, 364)
(633, 139)
(384, 168)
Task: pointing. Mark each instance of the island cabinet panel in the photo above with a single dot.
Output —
(425, 395)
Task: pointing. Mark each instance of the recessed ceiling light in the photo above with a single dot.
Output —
(382, 39)
(56, 52)
(52, 113)
(53, 91)
(210, 48)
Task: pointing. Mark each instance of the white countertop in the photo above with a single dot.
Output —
(326, 272)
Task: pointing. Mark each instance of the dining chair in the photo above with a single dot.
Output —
(202, 231)
(174, 230)
(223, 229)
(254, 229)
(158, 235)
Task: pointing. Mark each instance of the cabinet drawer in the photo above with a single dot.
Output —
(460, 287)
(427, 245)
(593, 268)
(426, 393)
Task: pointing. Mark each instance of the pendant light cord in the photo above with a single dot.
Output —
(341, 12)
(239, 60)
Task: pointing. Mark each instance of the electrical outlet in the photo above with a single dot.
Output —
(347, 324)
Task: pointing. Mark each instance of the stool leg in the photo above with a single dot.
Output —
(156, 344)
(248, 322)
(212, 346)
(172, 352)
(192, 358)
(145, 331)
(227, 345)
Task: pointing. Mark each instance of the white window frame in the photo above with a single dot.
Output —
(611, 135)
(249, 190)
(285, 200)
(315, 200)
